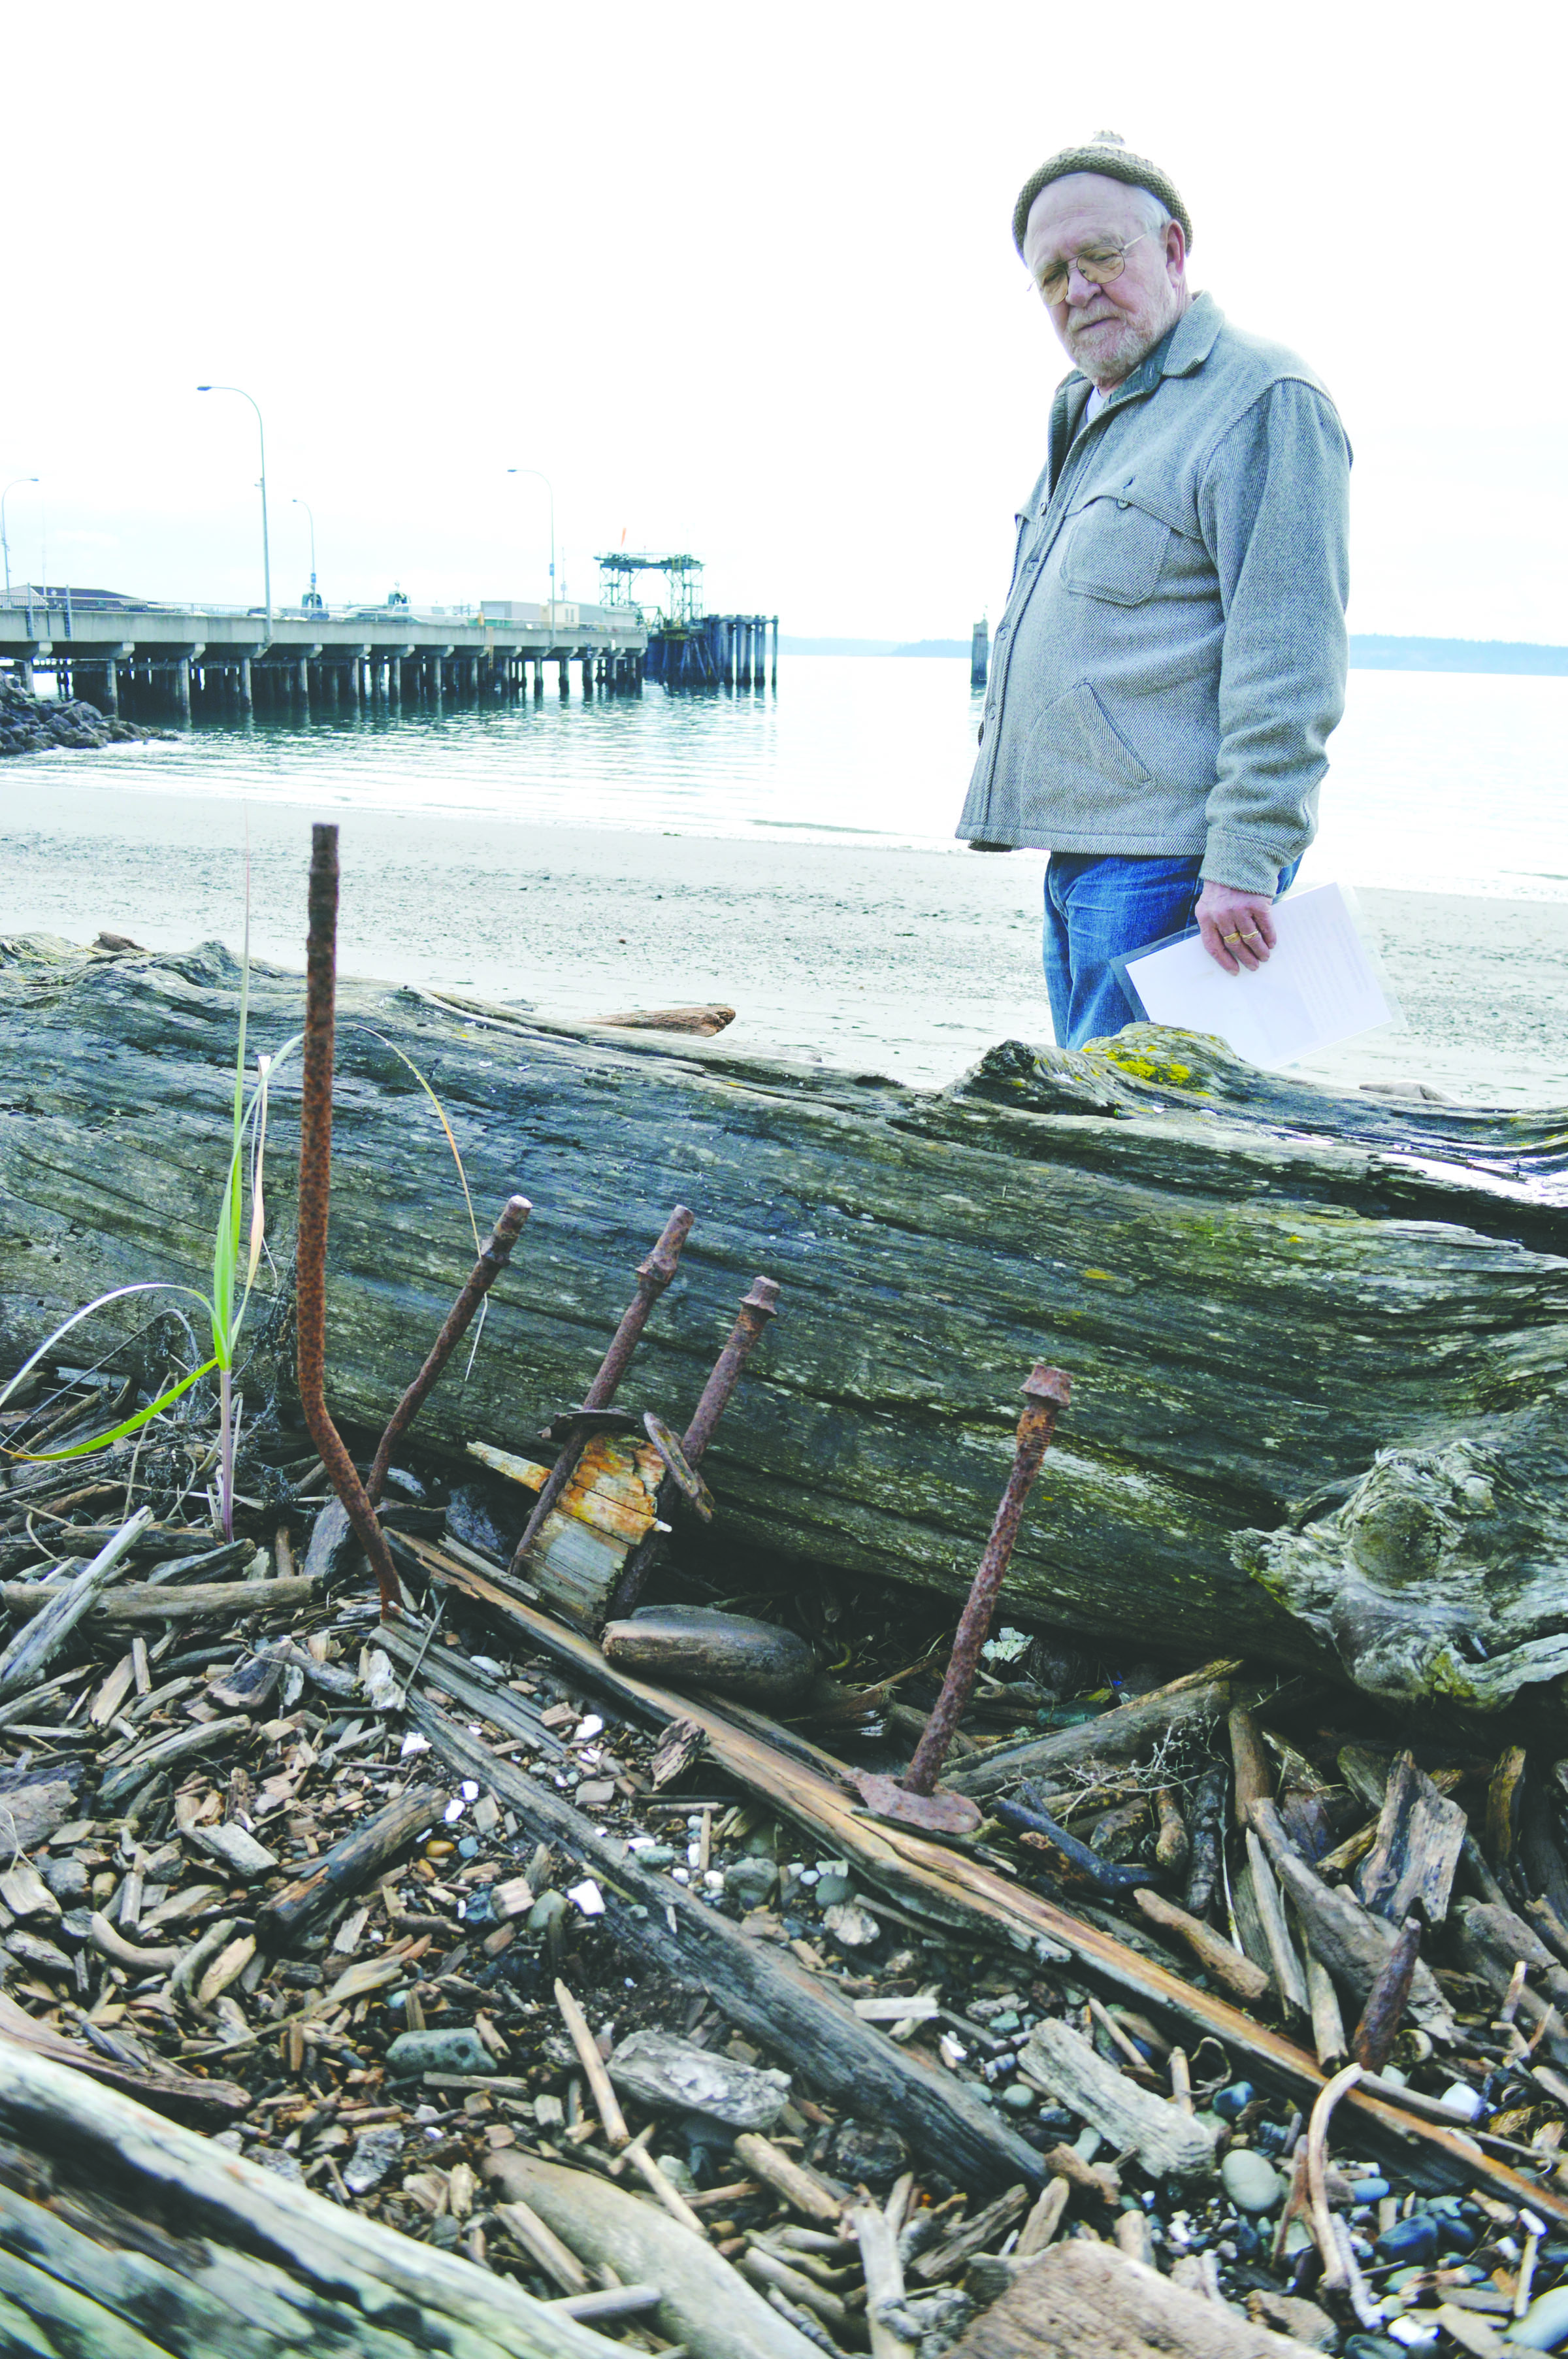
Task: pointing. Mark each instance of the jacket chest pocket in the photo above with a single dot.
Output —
(1116, 551)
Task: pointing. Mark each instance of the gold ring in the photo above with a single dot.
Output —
(1250, 934)
(1231, 938)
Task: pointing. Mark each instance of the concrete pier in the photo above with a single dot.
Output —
(213, 662)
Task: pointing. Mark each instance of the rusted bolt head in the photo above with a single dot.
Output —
(1043, 1384)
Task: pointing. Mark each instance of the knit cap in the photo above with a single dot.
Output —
(1109, 154)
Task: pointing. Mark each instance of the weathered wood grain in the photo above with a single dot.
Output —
(112, 2220)
(1259, 1289)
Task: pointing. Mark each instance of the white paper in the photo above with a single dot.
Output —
(1318, 986)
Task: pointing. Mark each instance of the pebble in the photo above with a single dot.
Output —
(282, 2166)
(868, 2151)
(1371, 2346)
(437, 2051)
(1368, 2190)
(547, 1910)
(750, 1881)
(375, 2152)
(1544, 2325)
(1415, 2239)
(1230, 2101)
(656, 1856)
(854, 1927)
(67, 1879)
(1251, 2179)
(1018, 2099)
(1465, 2100)
(832, 1891)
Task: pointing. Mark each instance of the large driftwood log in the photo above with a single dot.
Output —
(702, 2300)
(1088, 2302)
(124, 2235)
(1336, 1325)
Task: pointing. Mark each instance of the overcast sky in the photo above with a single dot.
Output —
(742, 281)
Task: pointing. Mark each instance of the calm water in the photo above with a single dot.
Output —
(1440, 781)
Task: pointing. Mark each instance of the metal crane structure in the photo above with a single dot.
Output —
(686, 647)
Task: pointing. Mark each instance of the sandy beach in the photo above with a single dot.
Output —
(904, 961)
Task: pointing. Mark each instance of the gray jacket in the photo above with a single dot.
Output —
(1171, 658)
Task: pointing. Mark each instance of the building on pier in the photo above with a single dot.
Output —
(686, 647)
(142, 657)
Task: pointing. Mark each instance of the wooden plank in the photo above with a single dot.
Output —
(144, 1601)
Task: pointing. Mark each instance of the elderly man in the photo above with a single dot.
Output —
(1171, 658)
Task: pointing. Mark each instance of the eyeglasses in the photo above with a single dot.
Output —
(1098, 264)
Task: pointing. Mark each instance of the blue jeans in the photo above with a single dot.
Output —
(1100, 906)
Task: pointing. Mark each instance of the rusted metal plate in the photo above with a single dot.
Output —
(937, 1814)
(682, 1474)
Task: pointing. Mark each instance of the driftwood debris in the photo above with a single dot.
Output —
(1167, 2142)
(351, 1864)
(1420, 1835)
(1088, 2302)
(1114, 1741)
(933, 1881)
(1112, 1209)
(702, 2299)
(761, 1989)
(123, 2235)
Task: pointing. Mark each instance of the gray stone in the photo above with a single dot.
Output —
(659, 2069)
(437, 2051)
(1251, 2181)
(283, 2166)
(375, 2152)
(1545, 2323)
(547, 1910)
(832, 1891)
(1019, 2098)
(66, 1878)
(751, 1882)
(867, 2152)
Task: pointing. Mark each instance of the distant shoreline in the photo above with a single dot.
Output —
(903, 960)
(1369, 651)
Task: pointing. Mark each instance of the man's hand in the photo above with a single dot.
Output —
(1238, 929)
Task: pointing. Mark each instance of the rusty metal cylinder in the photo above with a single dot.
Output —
(1046, 1393)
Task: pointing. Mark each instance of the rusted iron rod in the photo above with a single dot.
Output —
(315, 1201)
(495, 1255)
(756, 1309)
(652, 1275)
(1046, 1391)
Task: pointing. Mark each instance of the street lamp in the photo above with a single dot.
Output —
(313, 600)
(551, 489)
(4, 544)
(261, 431)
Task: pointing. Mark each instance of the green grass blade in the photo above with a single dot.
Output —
(131, 1425)
(115, 1294)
